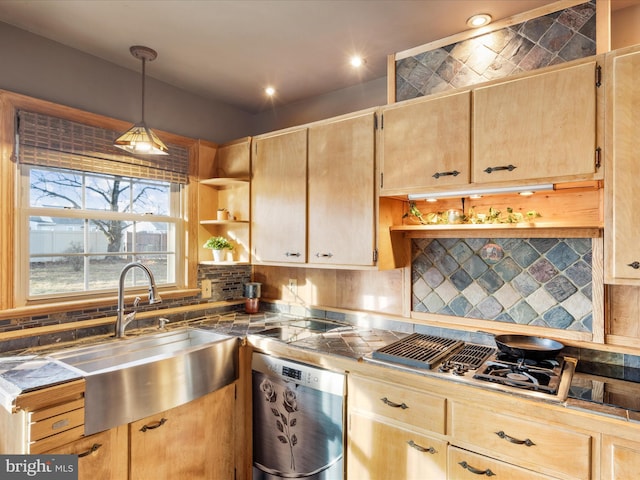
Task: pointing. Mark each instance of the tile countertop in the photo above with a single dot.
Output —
(592, 388)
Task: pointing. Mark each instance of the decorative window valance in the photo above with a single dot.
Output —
(57, 142)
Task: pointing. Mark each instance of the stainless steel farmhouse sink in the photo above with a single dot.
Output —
(130, 379)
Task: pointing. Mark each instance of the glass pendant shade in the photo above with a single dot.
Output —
(140, 139)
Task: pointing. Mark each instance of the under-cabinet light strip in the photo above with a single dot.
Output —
(480, 191)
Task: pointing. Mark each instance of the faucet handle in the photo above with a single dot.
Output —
(162, 322)
(136, 302)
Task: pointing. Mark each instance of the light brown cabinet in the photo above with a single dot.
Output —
(540, 126)
(622, 202)
(341, 196)
(394, 432)
(195, 440)
(466, 465)
(279, 198)
(426, 143)
(101, 456)
(534, 445)
(620, 459)
(224, 174)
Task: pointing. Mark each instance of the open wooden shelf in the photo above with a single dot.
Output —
(506, 230)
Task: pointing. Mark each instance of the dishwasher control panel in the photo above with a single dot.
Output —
(299, 373)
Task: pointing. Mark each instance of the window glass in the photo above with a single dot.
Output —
(84, 228)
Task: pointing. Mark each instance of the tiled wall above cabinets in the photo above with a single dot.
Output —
(543, 282)
(551, 39)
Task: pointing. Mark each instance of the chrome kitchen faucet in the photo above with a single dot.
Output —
(124, 320)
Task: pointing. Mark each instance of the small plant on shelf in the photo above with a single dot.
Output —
(218, 243)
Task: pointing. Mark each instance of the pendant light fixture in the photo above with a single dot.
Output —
(140, 139)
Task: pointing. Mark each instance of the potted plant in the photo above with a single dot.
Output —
(217, 245)
(222, 214)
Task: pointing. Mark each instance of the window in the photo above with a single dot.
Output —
(83, 228)
(87, 210)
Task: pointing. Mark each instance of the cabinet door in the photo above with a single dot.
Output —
(622, 202)
(101, 456)
(341, 192)
(540, 126)
(279, 198)
(194, 441)
(377, 450)
(620, 459)
(465, 465)
(426, 144)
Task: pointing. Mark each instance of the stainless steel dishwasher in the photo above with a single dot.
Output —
(298, 420)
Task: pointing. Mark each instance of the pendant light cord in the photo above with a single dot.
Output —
(143, 77)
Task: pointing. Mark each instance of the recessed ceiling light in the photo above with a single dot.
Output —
(356, 61)
(270, 91)
(479, 20)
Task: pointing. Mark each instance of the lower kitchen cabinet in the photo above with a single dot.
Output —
(193, 441)
(531, 444)
(102, 456)
(620, 459)
(380, 451)
(464, 465)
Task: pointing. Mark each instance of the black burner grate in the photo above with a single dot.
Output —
(472, 356)
(417, 350)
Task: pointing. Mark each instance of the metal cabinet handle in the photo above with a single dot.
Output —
(386, 401)
(496, 169)
(153, 427)
(93, 448)
(325, 255)
(508, 438)
(634, 265)
(453, 173)
(477, 471)
(291, 254)
(430, 450)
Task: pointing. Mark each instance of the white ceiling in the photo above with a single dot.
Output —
(229, 50)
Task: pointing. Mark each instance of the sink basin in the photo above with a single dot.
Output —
(130, 379)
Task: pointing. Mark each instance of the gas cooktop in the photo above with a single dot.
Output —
(481, 365)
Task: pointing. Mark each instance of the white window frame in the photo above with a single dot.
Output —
(175, 244)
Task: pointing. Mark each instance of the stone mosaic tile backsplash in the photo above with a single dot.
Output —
(543, 282)
(555, 38)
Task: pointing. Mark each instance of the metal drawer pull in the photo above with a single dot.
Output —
(526, 441)
(477, 471)
(453, 173)
(495, 169)
(413, 444)
(153, 427)
(93, 448)
(402, 405)
(291, 254)
(327, 255)
(635, 265)
(60, 424)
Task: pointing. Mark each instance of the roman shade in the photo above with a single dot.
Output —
(49, 141)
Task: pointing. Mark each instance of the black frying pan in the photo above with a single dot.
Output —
(524, 346)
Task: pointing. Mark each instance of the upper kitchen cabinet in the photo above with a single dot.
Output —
(279, 197)
(540, 126)
(341, 196)
(425, 143)
(223, 196)
(622, 167)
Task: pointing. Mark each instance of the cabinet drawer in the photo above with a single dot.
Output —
(56, 425)
(379, 451)
(531, 444)
(464, 465)
(403, 404)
